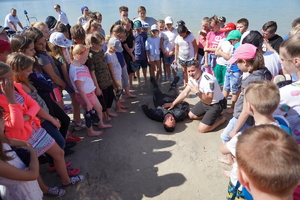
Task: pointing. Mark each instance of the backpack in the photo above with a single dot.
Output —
(283, 125)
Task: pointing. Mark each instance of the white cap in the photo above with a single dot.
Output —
(60, 39)
(154, 27)
(145, 25)
(169, 20)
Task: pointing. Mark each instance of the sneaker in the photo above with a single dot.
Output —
(73, 138)
(74, 180)
(70, 144)
(55, 192)
(52, 168)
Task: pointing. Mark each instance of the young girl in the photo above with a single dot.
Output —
(161, 27)
(84, 86)
(153, 52)
(92, 26)
(212, 40)
(17, 181)
(22, 124)
(167, 45)
(202, 37)
(185, 49)
(100, 73)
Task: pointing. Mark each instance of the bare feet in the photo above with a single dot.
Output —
(222, 119)
(225, 160)
(229, 111)
(130, 95)
(122, 106)
(107, 118)
(121, 111)
(95, 133)
(226, 173)
(112, 114)
(100, 126)
(122, 101)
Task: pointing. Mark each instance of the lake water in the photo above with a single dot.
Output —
(256, 11)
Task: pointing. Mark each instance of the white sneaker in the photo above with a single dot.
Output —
(55, 192)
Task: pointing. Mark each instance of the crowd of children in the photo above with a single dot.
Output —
(95, 70)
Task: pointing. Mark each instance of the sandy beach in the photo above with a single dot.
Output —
(137, 159)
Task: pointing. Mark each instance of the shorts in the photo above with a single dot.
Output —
(210, 112)
(91, 97)
(231, 124)
(212, 61)
(119, 82)
(232, 82)
(183, 62)
(102, 102)
(143, 63)
(56, 95)
(232, 190)
(109, 96)
(169, 60)
(220, 71)
(154, 57)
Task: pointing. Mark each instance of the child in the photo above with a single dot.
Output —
(100, 73)
(212, 40)
(17, 180)
(19, 43)
(84, 88)
(202, 37)
(161, 27)
(78, 34)
(5, 49)
(185, 50)
(167, 45)
(261, 99)
(93, 26)
(248, 59)
(242, 25)
(99, 20)
(140, 38)
(114, 45)
(257, 149)
(153, 52)
(223, 52)
(22, 124)
(43, 27)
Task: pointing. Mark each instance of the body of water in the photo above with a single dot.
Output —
(256, 11)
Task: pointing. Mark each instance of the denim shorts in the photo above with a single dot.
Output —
(231, 124)
(232, 82)
(169, 60)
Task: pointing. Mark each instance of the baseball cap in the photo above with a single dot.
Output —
(245, 51)
(3, 28)
(228, 27)
(168, 20)
(180, 23)
(137, 24)
(233, 35)
(116, 44)
(4, 45)
(154, 27)
(60, 39)
(253, 37)
(222, 19)
(145, 25)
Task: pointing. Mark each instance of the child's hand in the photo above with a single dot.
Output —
(133, 59)
(98, 91)
(7, 87)
(56, 123)
(205, 65)
(26, 117)
(89, 107)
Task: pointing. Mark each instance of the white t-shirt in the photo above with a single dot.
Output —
(82, 74)
(169, 39)
(112, 58)
(62, 17)
(10, 18)
(289, 107)
(225, 47)
(272, 62)
(152, 45)
(148, 20)
(186, 48)
(208, 84)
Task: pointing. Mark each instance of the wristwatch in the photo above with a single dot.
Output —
(197, 93)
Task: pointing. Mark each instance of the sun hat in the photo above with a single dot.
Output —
(228, 27)
(4, 45)
(145, 25)
(82, 8)
(168, 20)
(137, 24)
(154, 27)
(253, 37)
(245, 51)
(233, 35)
(60, 39)
(116, 44)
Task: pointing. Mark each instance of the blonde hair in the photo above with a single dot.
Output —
(263, 95)
(94, 38)
(76, 49)
(295, 30)
(40, 25)
(117, 29)
(92, 25)
(292, 46)
(260, 147)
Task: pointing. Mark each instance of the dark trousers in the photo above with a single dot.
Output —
(160, 98)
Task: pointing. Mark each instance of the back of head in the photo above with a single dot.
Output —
(291, 46)
(77, 49)
(255, 38)
(182, 29)
(4, 68)
(40, 25)
(270, 158)
(263, 95)
(62, 28)
(271, 26)
(214, 19)
(77, 32)
(296, 22)
(295, 30)
(117, 29)
(94, 38)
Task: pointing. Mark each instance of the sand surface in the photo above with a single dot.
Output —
(137, 159)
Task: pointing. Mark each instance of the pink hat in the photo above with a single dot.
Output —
(228, 27)
(245, 51)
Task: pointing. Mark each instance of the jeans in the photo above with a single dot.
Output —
(231, 124)
(232, 81)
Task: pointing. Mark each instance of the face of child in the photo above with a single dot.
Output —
(169, 26)
(242, 66)
(82, 58)
(161, 27)
(99, 18)
(142, 15)
(214, 26)
(154, 33)
(86, 11)
(26, 72)
(40, 44)
(119, 35)
(138, 31)
(30, 50)
(98, 47)
(204, 25)
(183, 35)
(45, 32)
(241, 28)
(127, 27)
(3, 55)
(287, 61)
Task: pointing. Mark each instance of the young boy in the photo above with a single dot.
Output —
(242, 25)
(269, 162)
(78, 34)
(261, 100)
(140, 38)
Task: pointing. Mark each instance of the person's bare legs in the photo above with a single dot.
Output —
(185, 76)
(110, 114)
(138, 76)
(130, 76)
(203, 128)
(92, 133)
(167, 72)
(145, 74)
(152, 68)
(97, 106)
(173, 72)
(128, 94)
(119, 107)
(233, 101)
(42, 185)
(76, 109)
(158, 71)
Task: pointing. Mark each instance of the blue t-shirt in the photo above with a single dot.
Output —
(140, 51)
(233, 67)
(120, 58)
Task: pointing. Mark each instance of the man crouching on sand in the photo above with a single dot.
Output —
(168, 117)
(206, 87)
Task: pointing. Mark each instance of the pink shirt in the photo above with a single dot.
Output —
(201, 41)
(214, 38)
